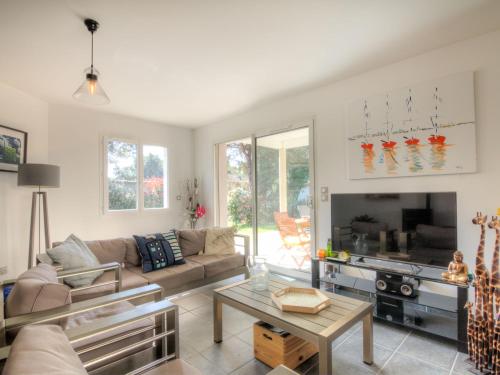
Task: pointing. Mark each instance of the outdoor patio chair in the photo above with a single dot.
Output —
(293, 236)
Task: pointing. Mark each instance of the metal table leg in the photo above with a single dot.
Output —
(325, 356)
(368, 338)
(217, 320)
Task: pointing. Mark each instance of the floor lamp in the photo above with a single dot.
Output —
(40, 176)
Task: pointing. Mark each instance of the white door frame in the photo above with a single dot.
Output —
(309, 123)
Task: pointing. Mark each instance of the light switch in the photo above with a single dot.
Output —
(324, 193)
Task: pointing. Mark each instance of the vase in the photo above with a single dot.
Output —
(192, 223)
(259, 273)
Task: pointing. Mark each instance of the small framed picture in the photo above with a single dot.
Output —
(13, 148)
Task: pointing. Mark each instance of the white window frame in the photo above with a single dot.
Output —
(140, 177)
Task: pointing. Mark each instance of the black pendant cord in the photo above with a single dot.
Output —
(92, 53)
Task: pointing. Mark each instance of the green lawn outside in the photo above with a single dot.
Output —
(264, 228)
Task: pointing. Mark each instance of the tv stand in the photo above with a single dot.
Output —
(394, 255)
(434, 313)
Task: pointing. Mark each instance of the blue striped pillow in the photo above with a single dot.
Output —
(159, 250)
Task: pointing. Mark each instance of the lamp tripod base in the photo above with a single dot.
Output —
(42, 196)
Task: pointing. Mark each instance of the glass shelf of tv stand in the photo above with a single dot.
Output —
(415, 271)
(354, 287)
(438, 317)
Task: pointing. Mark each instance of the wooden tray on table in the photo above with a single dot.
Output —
(301, 300)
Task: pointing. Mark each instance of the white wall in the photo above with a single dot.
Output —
(75, 143)
(327, 105)
(21, 111)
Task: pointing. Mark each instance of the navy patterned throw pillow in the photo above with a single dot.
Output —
(159, 250)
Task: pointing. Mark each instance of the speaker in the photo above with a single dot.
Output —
(407, 290)
(396, 284)
(381, 285)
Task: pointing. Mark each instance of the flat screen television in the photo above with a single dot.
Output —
(411, 227)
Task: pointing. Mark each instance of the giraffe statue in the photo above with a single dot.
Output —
(495, 359)
(482, 291)
(494, 295)
(495, 353)
(495, 269)
(470, 330)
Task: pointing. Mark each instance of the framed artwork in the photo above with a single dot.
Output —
(425, 129)
(13, 148)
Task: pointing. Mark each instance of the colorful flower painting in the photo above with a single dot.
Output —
(425, 129)
(12, 148)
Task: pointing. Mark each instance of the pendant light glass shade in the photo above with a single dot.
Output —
(90, 91)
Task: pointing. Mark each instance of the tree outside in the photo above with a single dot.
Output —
(239, 184)
(122, 175)
(297, 165)
(154, 180)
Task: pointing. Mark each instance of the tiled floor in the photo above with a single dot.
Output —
(397, 351)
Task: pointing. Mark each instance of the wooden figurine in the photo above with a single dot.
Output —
(495, 265)
(470, 330)
(482, 338)
(483, 326)
(457, 269)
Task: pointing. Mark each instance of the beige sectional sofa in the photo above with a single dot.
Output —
(198, 270)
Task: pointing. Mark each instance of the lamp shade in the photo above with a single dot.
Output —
(42, 175)
(90, 91)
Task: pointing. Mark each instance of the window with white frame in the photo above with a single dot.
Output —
(154, 175)
(135, 176)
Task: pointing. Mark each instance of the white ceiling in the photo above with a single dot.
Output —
(192, 62)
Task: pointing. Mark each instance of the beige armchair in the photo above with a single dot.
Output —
(39, 348)
(39, 298)
(111, 281)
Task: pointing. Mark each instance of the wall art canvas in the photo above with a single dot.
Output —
(425, 129)
(13, 148)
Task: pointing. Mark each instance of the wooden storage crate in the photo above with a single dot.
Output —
(276, 347)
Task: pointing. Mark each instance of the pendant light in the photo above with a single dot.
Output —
(90, 91)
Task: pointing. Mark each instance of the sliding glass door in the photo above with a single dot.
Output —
(284, 216)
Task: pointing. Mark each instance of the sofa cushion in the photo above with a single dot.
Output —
(132, 256)
(37, 289)
(106, 251)
(129, 280)
(43, 350)
(216, 264)
(159, 250)
(174, 276)
(219, 241)
(74, 253)
(192, 241)
(89, 317)
(113, 250)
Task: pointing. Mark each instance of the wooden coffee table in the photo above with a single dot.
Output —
(321, 329)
